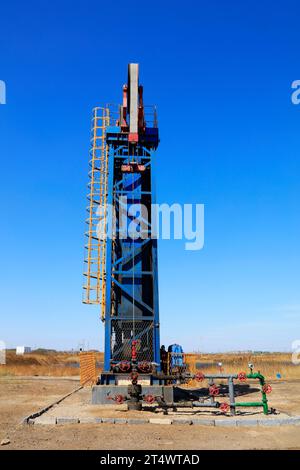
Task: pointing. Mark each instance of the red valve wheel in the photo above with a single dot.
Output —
(199, 377)
(145, 366)
(224, 407)
(267, 388)
(119, 399)
(124, 366)
(149, 398)
(242, 376)
(214, 390)
(134, 377)
(133, 350)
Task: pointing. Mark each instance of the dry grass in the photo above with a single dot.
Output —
(58, 364)
(67, 364)
(268, 364)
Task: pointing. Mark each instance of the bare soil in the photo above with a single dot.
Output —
(19, 396)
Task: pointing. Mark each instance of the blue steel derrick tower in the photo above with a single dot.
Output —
(121, 256)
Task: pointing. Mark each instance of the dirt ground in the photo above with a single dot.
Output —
(19, 396)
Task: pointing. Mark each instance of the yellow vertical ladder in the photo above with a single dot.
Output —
(95, 248)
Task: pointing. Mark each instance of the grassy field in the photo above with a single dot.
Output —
(52, 363)
(43, 363)
(269, 364)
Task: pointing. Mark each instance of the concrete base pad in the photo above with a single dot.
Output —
(104, 394)
(228, 422)
(77, 408)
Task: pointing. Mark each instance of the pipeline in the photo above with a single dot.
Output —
(264, 401)
(192, 404)
(135, 396)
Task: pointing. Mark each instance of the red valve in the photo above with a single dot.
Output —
(224, 407)
(214, 390)
(145, 366)
(267, 388)
(134, 377)
(149, 398)
(119, 399)
(124, 366)
(133, 350)
(242, 376)
(199, 377)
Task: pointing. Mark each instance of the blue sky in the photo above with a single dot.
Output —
(220, 74)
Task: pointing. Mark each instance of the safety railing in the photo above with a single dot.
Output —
(87, 361)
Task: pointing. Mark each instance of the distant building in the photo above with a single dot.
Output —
(20, 350)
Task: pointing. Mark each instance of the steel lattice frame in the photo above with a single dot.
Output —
(131, 310)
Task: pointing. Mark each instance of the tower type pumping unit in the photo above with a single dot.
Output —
(121, 267)
(121, 255)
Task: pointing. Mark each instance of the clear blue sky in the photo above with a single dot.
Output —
(220, 74)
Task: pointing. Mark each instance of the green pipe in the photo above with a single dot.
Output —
(249, 403)
(260, 377)
(257, 375)
(264, 402)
